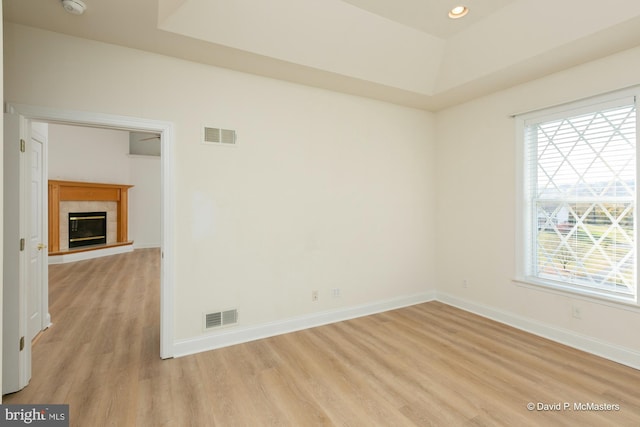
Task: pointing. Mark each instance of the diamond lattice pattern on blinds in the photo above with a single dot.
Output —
(582, 195)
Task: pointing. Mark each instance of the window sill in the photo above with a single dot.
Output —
(591, 296)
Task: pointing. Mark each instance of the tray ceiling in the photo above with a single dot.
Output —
(406, 51)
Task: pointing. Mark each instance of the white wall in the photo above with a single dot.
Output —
(323, 190)
(476, 210)
(87, 154)
(145, 201)
(327, 190)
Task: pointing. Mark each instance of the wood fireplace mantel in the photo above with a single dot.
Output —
(66, 191)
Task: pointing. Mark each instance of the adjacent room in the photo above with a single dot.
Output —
(347, 212)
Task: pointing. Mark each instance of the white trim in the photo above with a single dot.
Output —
(167, 243)
(166, 130)
(563, 105)
(616, 353)
(143, 156)
(521, 250)
(146, 246)
(595, 297)
(239, 335)
(81, 256)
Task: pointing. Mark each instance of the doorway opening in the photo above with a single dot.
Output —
(164, 131)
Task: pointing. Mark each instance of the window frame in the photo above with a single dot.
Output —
(525, 217)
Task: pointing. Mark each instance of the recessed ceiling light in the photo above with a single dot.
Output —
(458, 12)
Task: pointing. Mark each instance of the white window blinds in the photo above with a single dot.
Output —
(580, 191)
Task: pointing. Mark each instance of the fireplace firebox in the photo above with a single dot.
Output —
(87, 228)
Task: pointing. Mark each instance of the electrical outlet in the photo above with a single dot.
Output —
(335, 292)
(576, 312)
(314, 296)
(465, 284)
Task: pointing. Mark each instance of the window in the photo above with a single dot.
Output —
(578, 229)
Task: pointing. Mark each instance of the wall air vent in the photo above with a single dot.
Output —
(219, 136)
(220, 318)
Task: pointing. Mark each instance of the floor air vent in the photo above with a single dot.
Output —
(219, 136)
(220, 318)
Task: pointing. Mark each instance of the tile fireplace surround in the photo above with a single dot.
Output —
(74, 196)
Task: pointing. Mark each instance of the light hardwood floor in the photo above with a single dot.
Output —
(426, 365)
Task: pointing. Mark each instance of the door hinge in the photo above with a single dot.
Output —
(21, 343)
(22, 243)
(22, 146)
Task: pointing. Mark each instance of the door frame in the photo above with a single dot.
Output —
(28, 113)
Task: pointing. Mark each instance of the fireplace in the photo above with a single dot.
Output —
(74, 196)
(87, 228)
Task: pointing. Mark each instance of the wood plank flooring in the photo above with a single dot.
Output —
(426, 365)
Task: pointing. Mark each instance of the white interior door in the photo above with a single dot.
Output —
(37, 301)
(16, 350)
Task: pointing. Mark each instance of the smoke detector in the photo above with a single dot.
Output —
(74, 7)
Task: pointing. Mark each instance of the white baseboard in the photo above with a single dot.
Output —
(146, 245)
(80, 256)
(238, 335)
(232, 336)
(619, 354)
